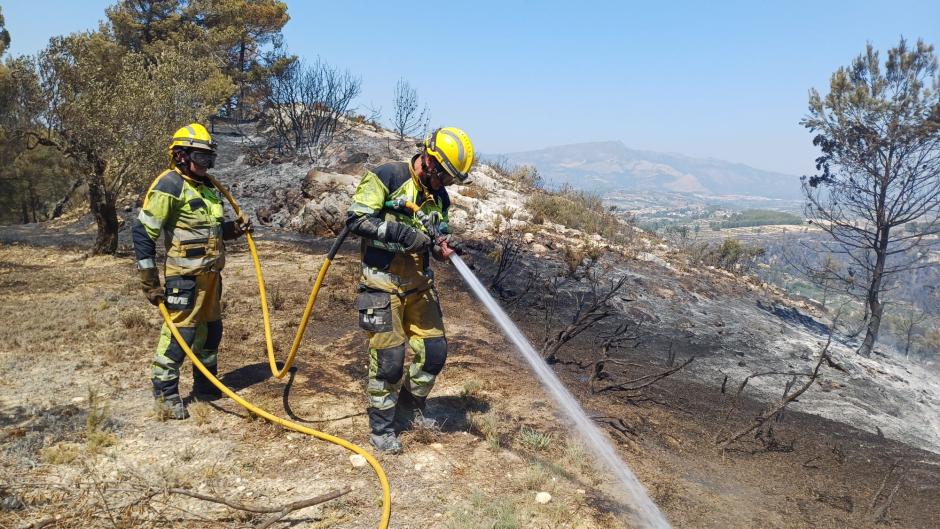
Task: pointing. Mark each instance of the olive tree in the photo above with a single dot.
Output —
(114, 111)
(877, 192)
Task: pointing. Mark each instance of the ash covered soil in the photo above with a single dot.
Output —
(81, 444)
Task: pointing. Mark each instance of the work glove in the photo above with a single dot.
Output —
(232, 229)
(150, 281)
(413, 240)
(244, 223)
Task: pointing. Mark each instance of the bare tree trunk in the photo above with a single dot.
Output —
(875, 306)
(240, 109)
(105, 213)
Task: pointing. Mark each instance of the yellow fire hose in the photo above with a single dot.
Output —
(383, 479)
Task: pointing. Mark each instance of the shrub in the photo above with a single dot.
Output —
(475, 191)
(489, 425)
(98, 425)
(135, 319)
(525, 177)
(731, 255)
(579, 210)
(471, 389)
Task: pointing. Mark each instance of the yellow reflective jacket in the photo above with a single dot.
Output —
(190, 215)
(385, 265)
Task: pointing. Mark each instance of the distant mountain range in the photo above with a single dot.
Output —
(610, 166)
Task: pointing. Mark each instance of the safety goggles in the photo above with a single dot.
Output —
(203, 158)
(438, 170)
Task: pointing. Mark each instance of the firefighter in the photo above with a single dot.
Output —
(182, 204)
(397, 300)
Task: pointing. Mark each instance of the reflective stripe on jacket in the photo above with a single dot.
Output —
(189, 213)
(385, 266)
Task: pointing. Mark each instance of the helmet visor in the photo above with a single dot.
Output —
(203, 158)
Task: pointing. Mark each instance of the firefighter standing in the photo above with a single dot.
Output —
(397, 302)
(183, 205)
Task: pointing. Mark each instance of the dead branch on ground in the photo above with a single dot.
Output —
(635, 386)
(774, 411)
(881, 501)
(591, 308)
(132, 511)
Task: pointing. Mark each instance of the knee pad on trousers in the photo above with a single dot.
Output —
(435, 354)
(174, 351)
(391, 364)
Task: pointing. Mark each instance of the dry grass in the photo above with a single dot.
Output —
(425, 431)
(200, 413)
(533, 439)
(60, 453)
(134, 320)
(471, 389)
(277, 298)
(485, 512)
(475, 191)
(490, 426)
(579, 210)
(534, 478)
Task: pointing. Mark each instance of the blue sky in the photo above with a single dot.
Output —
(727, 80)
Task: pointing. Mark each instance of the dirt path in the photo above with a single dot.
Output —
(76, 342)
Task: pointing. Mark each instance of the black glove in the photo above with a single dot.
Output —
(413, 240)
(232, 229)
(150, 281)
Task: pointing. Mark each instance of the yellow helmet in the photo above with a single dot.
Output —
(192, 136)
(453, 149)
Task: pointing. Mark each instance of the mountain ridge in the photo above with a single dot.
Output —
(612, 166)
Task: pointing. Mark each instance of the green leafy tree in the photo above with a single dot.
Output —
(879, 171)
(244, 36)
(140, 24)
(240, 31)
(113, 111)
(34, 183)
(4, 35)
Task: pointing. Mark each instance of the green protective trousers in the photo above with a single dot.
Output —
(194, 304)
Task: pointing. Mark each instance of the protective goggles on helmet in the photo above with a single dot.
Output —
(203, 158)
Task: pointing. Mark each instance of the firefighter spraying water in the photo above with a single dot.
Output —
(394, 224)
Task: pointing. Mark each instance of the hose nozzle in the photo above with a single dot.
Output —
(446, 250)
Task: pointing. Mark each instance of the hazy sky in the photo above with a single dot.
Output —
(725, 80)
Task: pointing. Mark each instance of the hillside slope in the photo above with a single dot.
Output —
(864, 429)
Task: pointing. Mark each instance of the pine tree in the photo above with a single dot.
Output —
(241, 31)
(138, 24)
(877, 194)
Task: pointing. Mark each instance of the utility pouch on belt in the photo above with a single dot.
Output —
(375, 311)
(180, 292)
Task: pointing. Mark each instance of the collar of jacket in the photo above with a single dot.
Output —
(425, 192)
